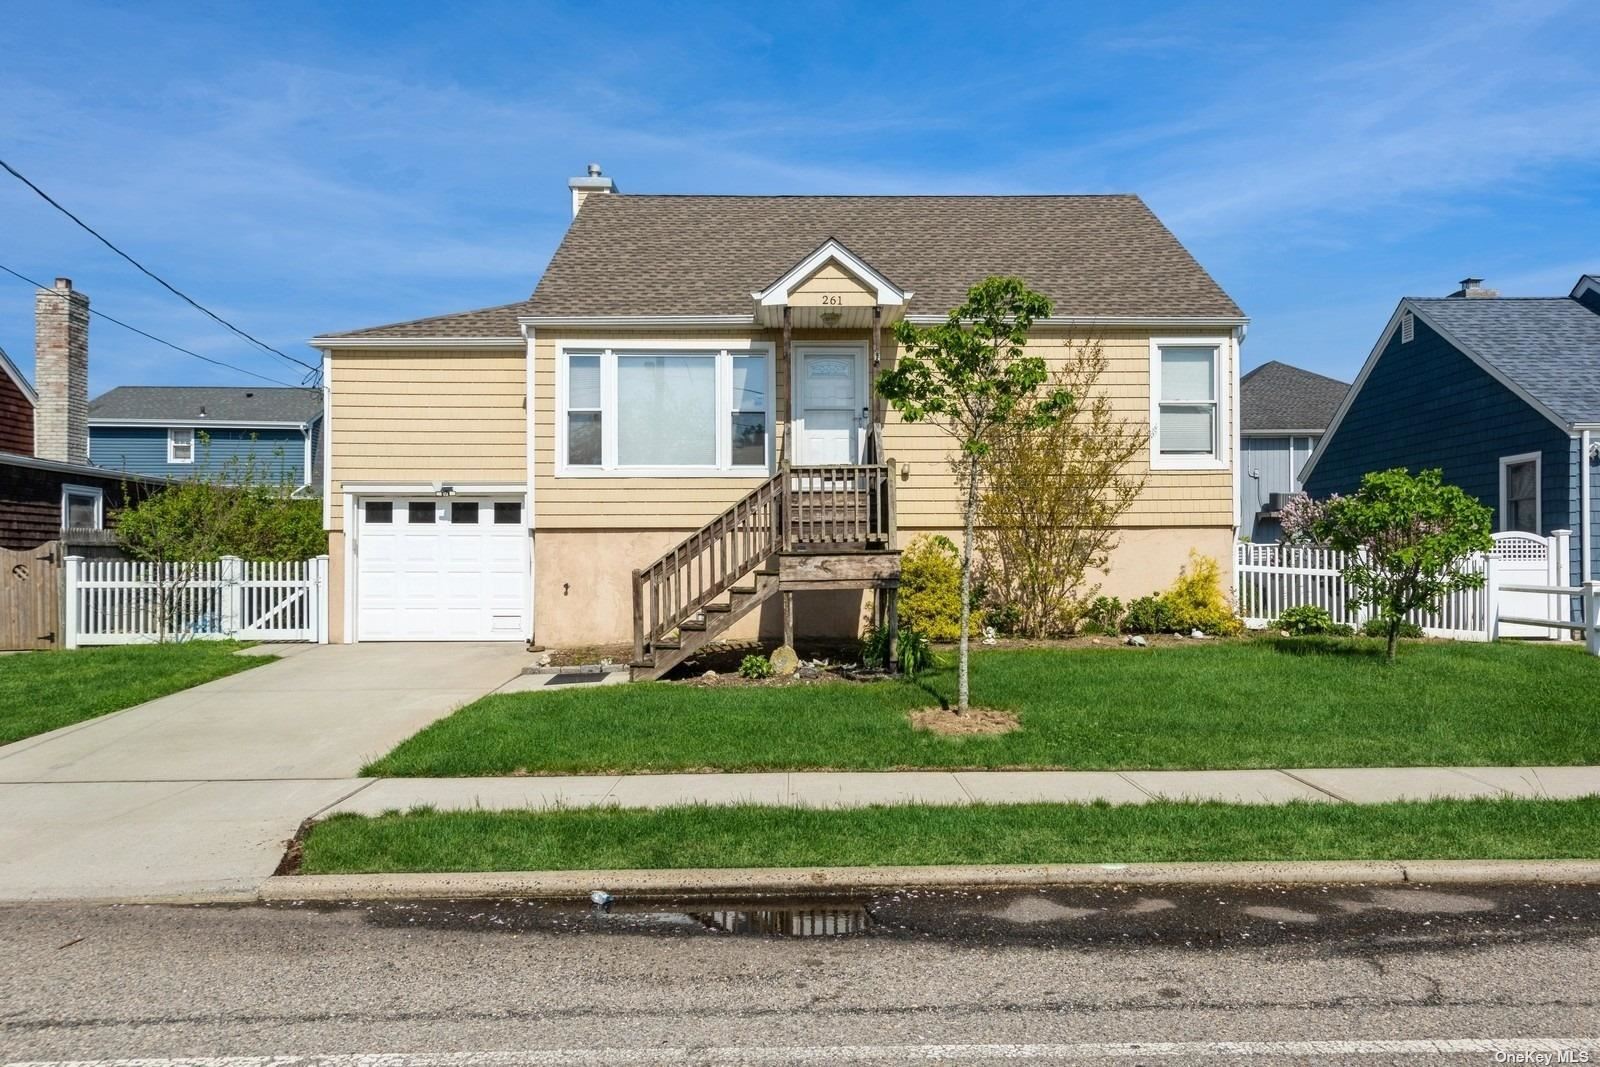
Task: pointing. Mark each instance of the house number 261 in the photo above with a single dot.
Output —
(830, 299)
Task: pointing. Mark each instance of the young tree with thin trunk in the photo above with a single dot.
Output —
(1053, 499)
(971, 377)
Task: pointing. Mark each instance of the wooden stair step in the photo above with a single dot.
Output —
(717, 607)
(667, 644)
(743, 590)
(692, 624)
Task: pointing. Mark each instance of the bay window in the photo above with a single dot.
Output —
(648, 411)
(1186, 414)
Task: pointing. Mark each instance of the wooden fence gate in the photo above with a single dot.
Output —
(30, 597)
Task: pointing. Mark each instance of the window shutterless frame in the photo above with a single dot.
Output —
(724, 352)
(1506, 516)
(1217, 458)
(180, 445)
(84, 496)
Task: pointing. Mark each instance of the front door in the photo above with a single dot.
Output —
(830, 406)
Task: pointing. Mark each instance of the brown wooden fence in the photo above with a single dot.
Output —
(30, 597)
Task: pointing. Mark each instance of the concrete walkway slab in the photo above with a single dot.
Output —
(1367, 785)
(851, 789)
(1557, 783)
(485, 794)
(665, 790)
(1232, 787)
(1049, 787)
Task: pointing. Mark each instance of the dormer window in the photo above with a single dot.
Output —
(180, 445)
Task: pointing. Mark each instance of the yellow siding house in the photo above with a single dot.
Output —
(675, 438)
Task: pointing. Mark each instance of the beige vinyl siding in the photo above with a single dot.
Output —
(927, 497)
(426, 415)
(834, 286)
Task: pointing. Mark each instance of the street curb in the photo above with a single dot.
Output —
(813, 881)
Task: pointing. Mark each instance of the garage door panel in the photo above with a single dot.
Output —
(443, 580)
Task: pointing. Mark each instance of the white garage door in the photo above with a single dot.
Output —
(432, 569)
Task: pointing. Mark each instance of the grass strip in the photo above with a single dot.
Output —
(42, 691)
(752, 836)
(1265, 702)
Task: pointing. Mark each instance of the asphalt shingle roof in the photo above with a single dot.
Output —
(1276, 396)
(1548, 346)
(225, 404)
(625, 254)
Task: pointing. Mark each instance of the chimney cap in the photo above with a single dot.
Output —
(1472, 289)
(1471, 283)
(594, 170)
(63, 283)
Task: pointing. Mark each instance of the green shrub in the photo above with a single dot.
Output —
(1376, 627)
(915, 654)
(755, 666)
(1307, 620)
(1196, 600)
(1147, 615)
(912, 650)
(1103, 616)
(875, 648)
(930, 589)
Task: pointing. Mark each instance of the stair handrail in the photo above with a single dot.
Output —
(677, 586)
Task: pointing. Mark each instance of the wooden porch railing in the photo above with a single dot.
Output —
(707, 563)
(837, 507)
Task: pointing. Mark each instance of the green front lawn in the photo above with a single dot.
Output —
(607, 839)
(1265, 702)
(42, 691)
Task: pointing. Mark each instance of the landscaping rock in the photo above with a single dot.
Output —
(1137, 641)
(1199, 635)
(784, 661)
(710, 676)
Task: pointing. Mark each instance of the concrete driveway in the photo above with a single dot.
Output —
(197, 792)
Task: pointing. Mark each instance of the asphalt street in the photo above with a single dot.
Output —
(1318, 974)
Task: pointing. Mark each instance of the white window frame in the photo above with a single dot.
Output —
(85, 490)
(1537, 459)
(1218, 460)
(722, 350)
(172, 442)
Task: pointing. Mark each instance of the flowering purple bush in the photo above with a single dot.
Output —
(1300, 516)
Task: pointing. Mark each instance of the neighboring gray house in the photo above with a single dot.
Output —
(181, 431)
(1283, 412)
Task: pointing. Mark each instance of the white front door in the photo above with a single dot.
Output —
(830, 405)
(441, 569)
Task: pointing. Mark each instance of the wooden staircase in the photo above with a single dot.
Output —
(805, 528)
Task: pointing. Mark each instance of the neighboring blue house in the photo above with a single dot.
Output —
(181, 431)
(1502, 394)
(1283, 412)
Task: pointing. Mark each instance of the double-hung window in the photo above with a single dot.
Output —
(664, 412)
(1519, 492)
(1186, 405)
(180, 445)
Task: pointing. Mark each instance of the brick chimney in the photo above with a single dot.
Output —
(591, 184)
(1472, 289)
(61, 370)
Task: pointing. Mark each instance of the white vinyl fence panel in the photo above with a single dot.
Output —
(120, 602)
(1270, 579)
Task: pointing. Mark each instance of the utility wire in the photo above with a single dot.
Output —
(177, 348)
(152, 274)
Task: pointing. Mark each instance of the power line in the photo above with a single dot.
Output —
(159, 340)
(152, 274)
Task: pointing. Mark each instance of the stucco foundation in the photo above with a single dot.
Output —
(583, 592)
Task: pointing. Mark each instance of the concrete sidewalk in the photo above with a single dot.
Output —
(1356, 785)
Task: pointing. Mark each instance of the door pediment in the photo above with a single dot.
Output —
(830, 287)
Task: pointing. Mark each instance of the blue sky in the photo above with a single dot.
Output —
(304, 168)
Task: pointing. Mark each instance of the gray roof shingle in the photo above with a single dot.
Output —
(224, 404)
(1549, 346)
(1276, 396)
(1094, 256)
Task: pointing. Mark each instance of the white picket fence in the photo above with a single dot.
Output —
(119, 602)
(1269, 579)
